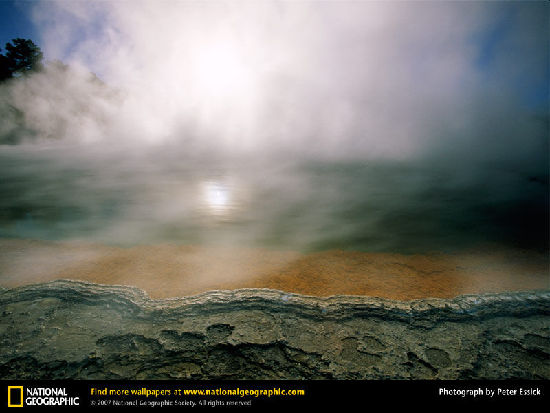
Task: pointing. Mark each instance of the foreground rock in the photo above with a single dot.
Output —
(78, 330)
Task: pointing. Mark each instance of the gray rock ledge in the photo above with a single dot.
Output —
(79, 330)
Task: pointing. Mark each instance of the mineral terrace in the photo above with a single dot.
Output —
(80, 330)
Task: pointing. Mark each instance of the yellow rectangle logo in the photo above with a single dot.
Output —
(15, 396)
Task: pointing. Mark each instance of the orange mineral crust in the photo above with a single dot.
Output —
(173, 270)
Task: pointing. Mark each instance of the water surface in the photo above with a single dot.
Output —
(125, 197)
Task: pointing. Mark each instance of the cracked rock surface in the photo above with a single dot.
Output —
(78, 330)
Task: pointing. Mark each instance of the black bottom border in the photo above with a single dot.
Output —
(246, 394)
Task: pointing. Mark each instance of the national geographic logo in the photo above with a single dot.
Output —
(40, 396)
(15, 396)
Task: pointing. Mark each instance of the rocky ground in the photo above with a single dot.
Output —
(80, 330)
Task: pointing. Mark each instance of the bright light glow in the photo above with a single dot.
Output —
(220, 71)
(217, 197)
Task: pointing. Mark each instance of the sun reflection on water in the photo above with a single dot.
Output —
(217, 196)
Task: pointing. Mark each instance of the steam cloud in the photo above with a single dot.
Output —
(437, 110)
(391, 80)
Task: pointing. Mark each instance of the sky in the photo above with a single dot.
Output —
(16, 22)
(375, 79)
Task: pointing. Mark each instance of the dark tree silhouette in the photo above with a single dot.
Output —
(21, 56)
(4, 67)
